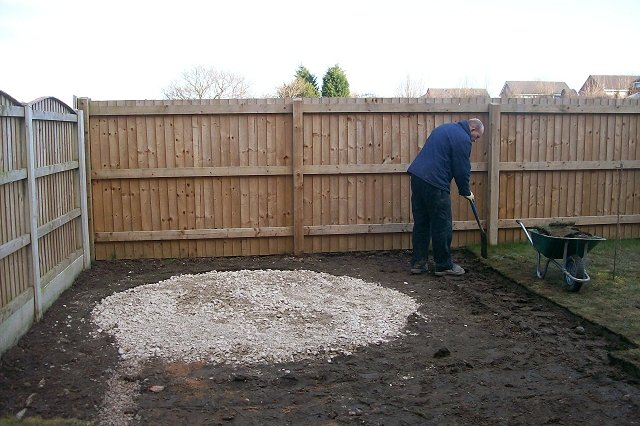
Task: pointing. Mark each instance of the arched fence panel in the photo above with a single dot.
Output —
(44, 240)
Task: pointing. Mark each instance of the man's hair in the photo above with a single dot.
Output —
(477, 123)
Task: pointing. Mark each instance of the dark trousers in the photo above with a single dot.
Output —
(431, 208)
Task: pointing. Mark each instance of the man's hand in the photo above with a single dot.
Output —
(470, 197)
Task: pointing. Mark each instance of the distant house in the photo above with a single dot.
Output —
(617, 86)
(535, 89)
(459, 92)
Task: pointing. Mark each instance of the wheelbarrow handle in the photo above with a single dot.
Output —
(526, 231)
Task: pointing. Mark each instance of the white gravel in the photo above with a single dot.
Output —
(251, 317)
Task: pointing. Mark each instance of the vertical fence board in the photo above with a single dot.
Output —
(128, 160)
(565, 155)
(341, 203)
(116, 189)
(153, 188)
(394, 202)
(556, 155)
(378, 197)
(577, 184)
(122, 187)
(588, 155)
(243, 189)
(190, 184)
(155, 127)
(308, 133)
(352, 181)
(519, 183)
(633, 180)
(369, 195)
(207, 197)
(359, 143)
(135, 139)
(534, 182)
(284, 196)
(510, 194)
(636, 156)
(233, 182)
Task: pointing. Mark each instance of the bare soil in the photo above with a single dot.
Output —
(489, 353)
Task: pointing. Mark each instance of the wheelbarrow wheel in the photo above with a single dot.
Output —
(574, 266)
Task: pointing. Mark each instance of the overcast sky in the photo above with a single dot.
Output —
(132, 49)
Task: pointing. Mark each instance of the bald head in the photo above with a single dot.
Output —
(477, 129)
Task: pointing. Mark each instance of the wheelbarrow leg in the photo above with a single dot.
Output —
(574, 270)
(542, 273)
(574, 273)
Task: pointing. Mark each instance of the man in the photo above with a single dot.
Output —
(444, 156)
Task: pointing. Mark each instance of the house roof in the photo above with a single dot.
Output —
(610, 82)
(455, 92)
(534, 87)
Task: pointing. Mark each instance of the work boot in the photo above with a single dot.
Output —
(419, 267)
(454, 270)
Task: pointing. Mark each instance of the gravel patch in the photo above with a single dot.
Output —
(251, 317)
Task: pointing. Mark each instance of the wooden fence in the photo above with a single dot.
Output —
(252, 177)
(44, 239)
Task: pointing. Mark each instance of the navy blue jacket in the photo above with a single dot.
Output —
(445, 156)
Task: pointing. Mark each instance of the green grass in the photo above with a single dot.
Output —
(612, 297)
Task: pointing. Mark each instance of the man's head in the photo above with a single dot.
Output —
(477, 129)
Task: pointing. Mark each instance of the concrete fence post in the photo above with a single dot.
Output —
(32, 195)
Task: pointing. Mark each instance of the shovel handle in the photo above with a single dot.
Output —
(475, 214)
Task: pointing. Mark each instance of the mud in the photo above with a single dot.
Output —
(481, 351)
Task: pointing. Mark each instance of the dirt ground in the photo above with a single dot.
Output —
(490, 353)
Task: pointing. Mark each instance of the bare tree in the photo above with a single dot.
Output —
(362, 95)
(546, 88)
(592, 90)
(467, 92)
(410, 89)
(296, 89)
(201, 82)
(457, 92)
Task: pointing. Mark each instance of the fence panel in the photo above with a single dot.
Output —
(44, 240)
(15, 282)
(580, 164)
(198, 184)
(218, 178)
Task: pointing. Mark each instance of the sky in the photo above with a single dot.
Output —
(133, 49)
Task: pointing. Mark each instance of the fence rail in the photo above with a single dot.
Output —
(246, 177)
(44, 238)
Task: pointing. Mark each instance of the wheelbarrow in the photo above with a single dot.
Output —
(571, 250)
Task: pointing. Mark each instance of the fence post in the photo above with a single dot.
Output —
(297, 154)
(82, 172)
(32, 194)
(493, 168)
(83, 105)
